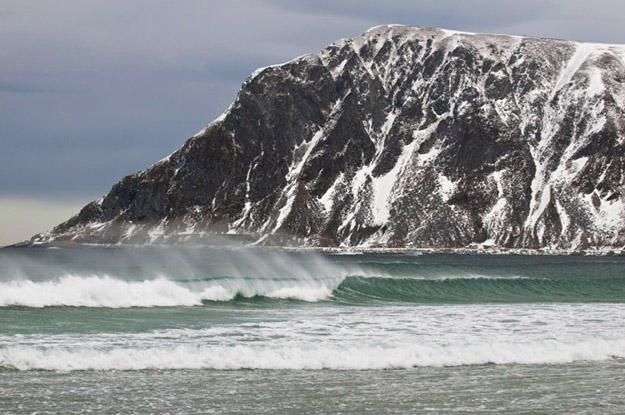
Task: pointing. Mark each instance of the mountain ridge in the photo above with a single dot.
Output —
(401, 137)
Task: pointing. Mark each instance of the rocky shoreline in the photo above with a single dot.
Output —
(476, 250)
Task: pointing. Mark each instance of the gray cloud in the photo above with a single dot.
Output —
(120, 84)
(92, 91)
(21, 88)
(443, 13)
(597, 21)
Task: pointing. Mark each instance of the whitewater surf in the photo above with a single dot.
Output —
(194, 315)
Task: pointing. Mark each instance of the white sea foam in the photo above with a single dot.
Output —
(334, 337)
(105, 291)
(307, 356)
(95, 291)
(298, 289)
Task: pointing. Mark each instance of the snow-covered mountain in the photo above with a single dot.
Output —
(401, 137)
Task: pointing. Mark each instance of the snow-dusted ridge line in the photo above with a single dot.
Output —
(401, 137)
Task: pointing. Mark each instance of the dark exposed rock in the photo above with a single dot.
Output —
(401, 137)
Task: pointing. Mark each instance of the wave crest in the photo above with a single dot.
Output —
(105, 291)
(305, 357)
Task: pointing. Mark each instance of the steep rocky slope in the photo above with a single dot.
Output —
(401, 137)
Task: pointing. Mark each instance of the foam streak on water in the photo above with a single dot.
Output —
(74, 310)
(307, 357)
(355, 338)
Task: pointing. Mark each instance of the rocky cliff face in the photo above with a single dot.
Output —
(401, 137)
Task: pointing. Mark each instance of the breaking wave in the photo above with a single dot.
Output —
(305, 357)
(106, 291)
(192, 277)
(481, 289)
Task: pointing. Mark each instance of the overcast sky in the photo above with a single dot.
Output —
(91, 91)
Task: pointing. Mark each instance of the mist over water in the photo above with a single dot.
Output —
(158, 277)
(163, 277)
(73, 313)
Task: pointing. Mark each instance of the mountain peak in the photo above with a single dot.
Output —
(401, 137)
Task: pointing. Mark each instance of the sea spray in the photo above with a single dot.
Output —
(104, 291)
(174, 263)
(159, 277)
(160, 330)
(107, 291)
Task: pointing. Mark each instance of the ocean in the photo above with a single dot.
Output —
(225, 331)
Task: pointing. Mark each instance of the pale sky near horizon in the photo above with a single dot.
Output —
(93, 91)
